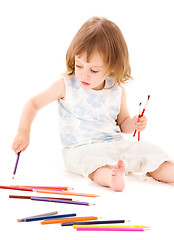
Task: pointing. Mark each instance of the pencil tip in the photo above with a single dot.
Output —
(91, 204)
(13, 176)
(148, 97)
(146, 229)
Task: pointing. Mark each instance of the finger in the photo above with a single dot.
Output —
(141, 128)
(15, 148)
(19, 149)
(141, 119)
(24, 148)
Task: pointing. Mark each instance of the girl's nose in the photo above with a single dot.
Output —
(85, 74)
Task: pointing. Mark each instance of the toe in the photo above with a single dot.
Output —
(120, 163)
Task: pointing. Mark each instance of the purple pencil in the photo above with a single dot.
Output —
(17, 160)
(60, 201)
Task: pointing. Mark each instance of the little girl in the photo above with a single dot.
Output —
(93, 112)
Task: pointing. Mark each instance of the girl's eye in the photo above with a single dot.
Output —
(78, 66)
(93, 71)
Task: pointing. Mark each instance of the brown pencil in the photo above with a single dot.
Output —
(29, 197)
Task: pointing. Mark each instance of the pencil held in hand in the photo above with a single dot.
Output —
(141, 115)
(17, 160)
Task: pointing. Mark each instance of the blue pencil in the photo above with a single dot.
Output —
(17, 160)
(49, 217)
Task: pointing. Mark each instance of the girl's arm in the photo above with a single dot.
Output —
(126, 123)
(54, 92)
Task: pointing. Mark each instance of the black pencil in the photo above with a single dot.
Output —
(17, 160)
(94, 222)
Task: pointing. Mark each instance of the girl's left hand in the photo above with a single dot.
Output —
(141, 123)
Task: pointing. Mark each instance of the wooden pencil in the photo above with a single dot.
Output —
(16, 164)
(40, 215)
(49, 218)
(94, 222)
(16, 188)
(66, 220)
(102, 225)
(29, 197)
(66, 193)
(46, 187)
(141, 115)
(60, 201)
(49, 192)
(111, 229)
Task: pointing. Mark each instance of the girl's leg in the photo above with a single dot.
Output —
(165, 173)
(113, 178)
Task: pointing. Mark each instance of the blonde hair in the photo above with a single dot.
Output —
(102, 36)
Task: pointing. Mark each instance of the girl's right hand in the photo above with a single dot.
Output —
(21, 141)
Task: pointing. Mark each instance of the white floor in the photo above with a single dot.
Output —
(143, 202)
(34, 38)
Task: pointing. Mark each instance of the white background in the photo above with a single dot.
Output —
(34, 37)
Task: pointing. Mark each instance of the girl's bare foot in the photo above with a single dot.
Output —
(116, 178)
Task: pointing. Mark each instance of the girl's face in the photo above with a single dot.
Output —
(90, 74)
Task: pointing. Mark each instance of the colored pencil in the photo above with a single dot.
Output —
(46, 187)
(60, 201)
(16, 164)
(49, 218)
(79, 219)
(49, 192)
(135, 226)
(17, 188)
(111, 229)
(94, 222)
(138, 119)
(141, 115)
(29, 197)
(66, 193)
(40, 215)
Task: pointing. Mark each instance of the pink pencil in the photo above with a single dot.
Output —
(111, 229)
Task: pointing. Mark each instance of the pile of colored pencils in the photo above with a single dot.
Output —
(50, 190)
(80, 223)
(87, 223)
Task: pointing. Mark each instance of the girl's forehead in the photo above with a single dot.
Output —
(95, 58)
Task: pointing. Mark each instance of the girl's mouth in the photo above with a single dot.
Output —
(85, 83)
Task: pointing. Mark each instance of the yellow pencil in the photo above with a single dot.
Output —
(133, 226)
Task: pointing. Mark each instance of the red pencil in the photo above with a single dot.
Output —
(141, 115)
(46, 187)
(17, 188)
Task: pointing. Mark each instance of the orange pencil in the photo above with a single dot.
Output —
(65, 220)
(66, 193)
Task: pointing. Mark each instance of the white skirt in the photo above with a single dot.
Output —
(139, 157)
